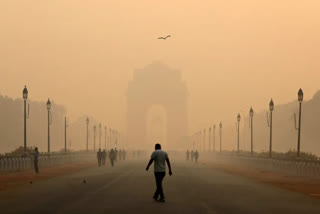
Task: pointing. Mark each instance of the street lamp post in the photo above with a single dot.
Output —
(105, 137)
(48, 108)
(300, 99)
(118, 140)
(214, 137)
(99, 135)
(238, 119)
(110, 145)
(25, 97)
(193, 140)
(271, 107)
(251, 126)
(87, 121)
(209, 139)
(200, 143)
(220, 125)
(196, 140)
(65, 134)
(114, 138)
(94, 137)
(204, 140)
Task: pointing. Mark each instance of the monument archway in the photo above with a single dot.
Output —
(156, 125)
(156, 84)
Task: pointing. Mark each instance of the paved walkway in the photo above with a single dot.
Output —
(128, 188)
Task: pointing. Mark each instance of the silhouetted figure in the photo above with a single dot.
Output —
(192, 155)
(112, 157)
(188, 154)
(115, 154)
(99, 156)
(103, 157)
(196, 156)
(159, 157)
(36, 160)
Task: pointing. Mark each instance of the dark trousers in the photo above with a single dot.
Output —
(36, 168)
(159, 177)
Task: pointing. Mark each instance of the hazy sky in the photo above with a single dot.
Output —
(232, 54)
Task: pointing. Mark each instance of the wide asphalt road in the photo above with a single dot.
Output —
(128, 188)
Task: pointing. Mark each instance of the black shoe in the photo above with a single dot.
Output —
(155, 198)
(162, 200)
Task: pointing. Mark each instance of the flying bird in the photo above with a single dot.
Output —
(164, 38)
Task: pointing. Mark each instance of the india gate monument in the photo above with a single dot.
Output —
(157, 108)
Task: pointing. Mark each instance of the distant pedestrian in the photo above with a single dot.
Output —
(196, 156)
(115, 154)
(112, 157)
(99, 156)
(36, 160)
(187, 154)
(103, 157)
(159, 157)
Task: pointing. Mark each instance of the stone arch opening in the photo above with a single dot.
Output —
(156, 125)
(156, 84)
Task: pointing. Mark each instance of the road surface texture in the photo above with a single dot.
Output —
(128, 188)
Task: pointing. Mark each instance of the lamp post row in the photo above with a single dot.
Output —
(197, 135)
(197, 138)
(113, 138)
(115, 133)
(25, 97)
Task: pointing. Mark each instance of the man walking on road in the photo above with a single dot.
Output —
(159, 157)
